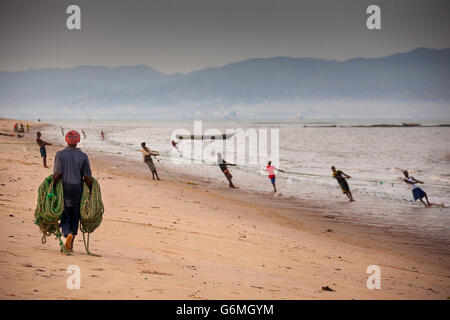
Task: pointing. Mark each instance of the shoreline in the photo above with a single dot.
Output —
(235, 243)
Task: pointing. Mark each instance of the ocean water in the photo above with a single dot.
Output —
(374, 156)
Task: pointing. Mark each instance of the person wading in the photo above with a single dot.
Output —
(72, 167)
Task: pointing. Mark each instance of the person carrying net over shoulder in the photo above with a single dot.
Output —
(147, 153)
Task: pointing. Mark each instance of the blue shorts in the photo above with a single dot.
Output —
(272, 180)
(418, 193)
(43, 152)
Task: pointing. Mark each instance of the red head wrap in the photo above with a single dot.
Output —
(72, 137)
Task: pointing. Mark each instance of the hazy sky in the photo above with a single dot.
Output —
(184, 35)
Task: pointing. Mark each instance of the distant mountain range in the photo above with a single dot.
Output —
(421, 74)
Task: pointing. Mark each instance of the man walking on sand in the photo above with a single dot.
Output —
(147, 153)
(42, 145)
(416, 191)
(223, 166)
(72, 167)
(340, 177)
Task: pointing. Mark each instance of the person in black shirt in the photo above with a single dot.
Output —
(340, 177)
(223, 166)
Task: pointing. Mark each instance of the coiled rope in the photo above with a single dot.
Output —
(91, 210)
(50, 205)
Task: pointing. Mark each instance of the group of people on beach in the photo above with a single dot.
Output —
(418, 193)
(72, 167)
(102, 134)
(20, 128)
(339, 175)
(223, 165)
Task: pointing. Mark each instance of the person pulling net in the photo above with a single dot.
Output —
(223, 167)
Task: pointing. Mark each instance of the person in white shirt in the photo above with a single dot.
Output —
(416, 191)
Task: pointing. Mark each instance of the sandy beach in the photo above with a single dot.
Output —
(175, 239)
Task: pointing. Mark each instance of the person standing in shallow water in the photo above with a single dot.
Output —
(41, 143)
(340, 177)
(147, 153)
(72, 167)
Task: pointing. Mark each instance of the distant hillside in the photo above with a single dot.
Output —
(54, 86)
(419, 74)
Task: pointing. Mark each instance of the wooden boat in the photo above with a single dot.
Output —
(205, 137)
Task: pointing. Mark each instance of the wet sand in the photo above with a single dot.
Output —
(177, 239)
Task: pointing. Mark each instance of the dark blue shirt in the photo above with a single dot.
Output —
(73, 165)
